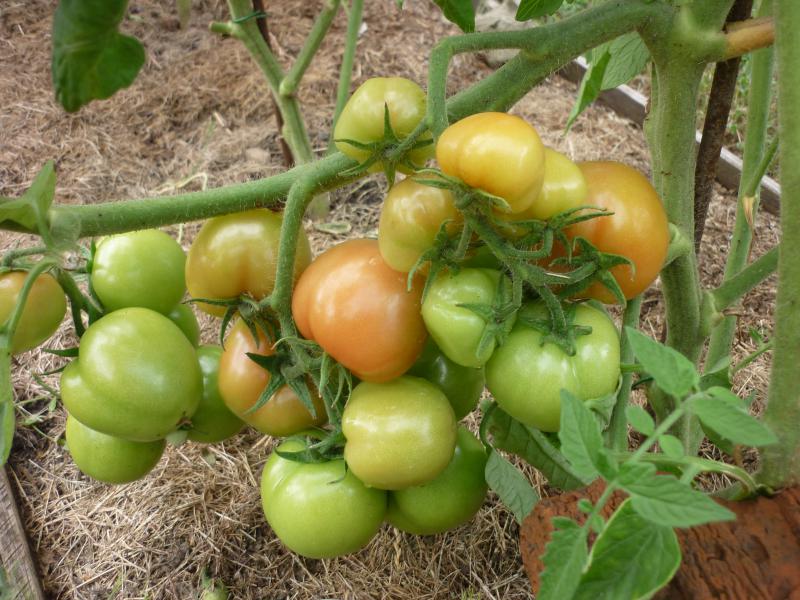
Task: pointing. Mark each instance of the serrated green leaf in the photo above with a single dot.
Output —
(629, 56)
(460, 12)
(671, 446)
(591, 86)
(91, 59)
(640, 419)
(602, 408)
(725, 413)
(564, 559)
(510, 485)
(719, 375)
(534, 9)
(30, 210)
(580, 436)
(632, 558)
(672, 371)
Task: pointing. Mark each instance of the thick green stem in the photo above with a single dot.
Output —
(346, 70)
(781, 462)
(288, 85)
(617, 433)
(748, 278)
(758, 102)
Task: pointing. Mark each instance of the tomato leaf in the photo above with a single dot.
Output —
(30, 210)
(533, 9)
(510, 485)
(671, 446)
(564, 559)
(581, 439)
(591, 86)
(91, 59)
(672, 371)
(460, 12)
(640, 419)
(631, 558)
(725, 413)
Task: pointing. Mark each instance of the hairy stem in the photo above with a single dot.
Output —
(617, 434)
(346, 70)
(733, 289)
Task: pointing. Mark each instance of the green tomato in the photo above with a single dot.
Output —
(463, 386)
(319, 510)
(110, 459)
(183, 316)
(44, 308)
(448, 501)
(457, 330)
(564, 187)
(139, 268)
(212, 421)
(399, 433)
(526, 376)
(136, 376)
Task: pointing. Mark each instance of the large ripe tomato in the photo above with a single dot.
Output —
(212, 421)
(496, 152)
(43, 312)
(237, 254)
(358, 309)
(139, 268)
(399, 434)
(110, 459)
(526, 376)
(241, 382)
(136, 376)
(319, 510)
(449, 500)
(362, 118)
(638, 229)
(411, 216)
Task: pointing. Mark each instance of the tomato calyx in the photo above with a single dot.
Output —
(329, 445)
(499, 316)
(563, 337)
(596, 264)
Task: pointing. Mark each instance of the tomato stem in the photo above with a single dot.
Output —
(346, 70)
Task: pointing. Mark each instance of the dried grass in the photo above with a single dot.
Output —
(199, 115)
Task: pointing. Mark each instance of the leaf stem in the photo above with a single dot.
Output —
(346, 70)
(617, 434)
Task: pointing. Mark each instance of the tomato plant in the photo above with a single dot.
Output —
(43, 312)
(236, 254)
(449, 500)
(183, 316)
(399, 434)
(319, 510)
(241, 382)
(358, 309)
(139, 268)
(212, 421)
(110, 459)
(526, 375)
(136, 376)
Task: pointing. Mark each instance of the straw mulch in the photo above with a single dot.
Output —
(199, 115)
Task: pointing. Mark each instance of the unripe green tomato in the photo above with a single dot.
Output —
(319, 510)
(563, 188)
(526, 376)
(136, 376)
(362, 118)
(212, 421)
(463, 386)
(139, 268)
(183, 316)
(449, 500)
(411, 216)
(399, 433)
(44, 308)
(455, 329)
(110, 459)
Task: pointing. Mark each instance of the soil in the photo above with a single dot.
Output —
(198, 116)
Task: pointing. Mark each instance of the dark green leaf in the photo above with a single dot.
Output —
(591, 86)
(581, 439)
(91, 59)
(564, 559)
(631, 558)
(629, 56)
(640, 419)
(510, 485)
(602, 408)
(671, 446)
(30, 210)
(63, 352)
(672, 371)
(460, 12)
(719, 375)
(725, 413)
(533, 9)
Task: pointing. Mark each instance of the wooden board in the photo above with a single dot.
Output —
(18, 578)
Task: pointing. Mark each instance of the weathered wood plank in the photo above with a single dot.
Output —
(18, 577)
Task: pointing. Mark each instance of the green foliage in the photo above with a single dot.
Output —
(460, 12)
(510, 485)
(672, 371)
(533, 9)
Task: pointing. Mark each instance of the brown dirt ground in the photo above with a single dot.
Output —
(199, 115)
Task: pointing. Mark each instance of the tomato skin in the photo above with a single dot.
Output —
(110, 459)
(526, 377)
(212, 421)
(319, 510)
(136, 376)
(236, 254)
(638, 229)
(463, 386)
(139, 268)
(44, 308)
(241, 382)
(563, 187)
(399, 434)
(453, 498)
(183, 316)
(496, 152)
(411, 216)
(456, 329)
(362, 118)
(357, 308)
